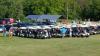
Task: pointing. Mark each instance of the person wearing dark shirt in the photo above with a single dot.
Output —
(4, 31)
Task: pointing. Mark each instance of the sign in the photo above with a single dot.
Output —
(11, 20)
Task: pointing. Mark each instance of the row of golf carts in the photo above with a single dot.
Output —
(52, 30)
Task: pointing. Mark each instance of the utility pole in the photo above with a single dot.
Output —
(93, 9)
(67, 11)
(74, 10)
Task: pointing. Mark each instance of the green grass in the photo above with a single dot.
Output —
(50, 47)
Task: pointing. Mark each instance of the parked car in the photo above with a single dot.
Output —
(1, 28)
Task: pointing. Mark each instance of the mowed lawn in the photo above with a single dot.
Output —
(50, 47)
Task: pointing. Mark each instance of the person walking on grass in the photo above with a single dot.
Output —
(11, 30)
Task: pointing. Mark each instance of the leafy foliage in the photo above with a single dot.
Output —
(72, 9)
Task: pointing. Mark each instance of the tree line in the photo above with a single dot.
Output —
(72, 9)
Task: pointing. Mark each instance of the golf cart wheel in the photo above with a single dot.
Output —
(87, 36)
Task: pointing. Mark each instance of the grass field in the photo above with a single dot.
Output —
(50, 47)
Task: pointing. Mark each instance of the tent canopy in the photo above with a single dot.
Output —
(52, 18)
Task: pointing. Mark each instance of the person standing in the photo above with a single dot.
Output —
(4, 31)
(46, 33)
(73, 30)
(70, 32)
(11, 30)
(63, 31)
